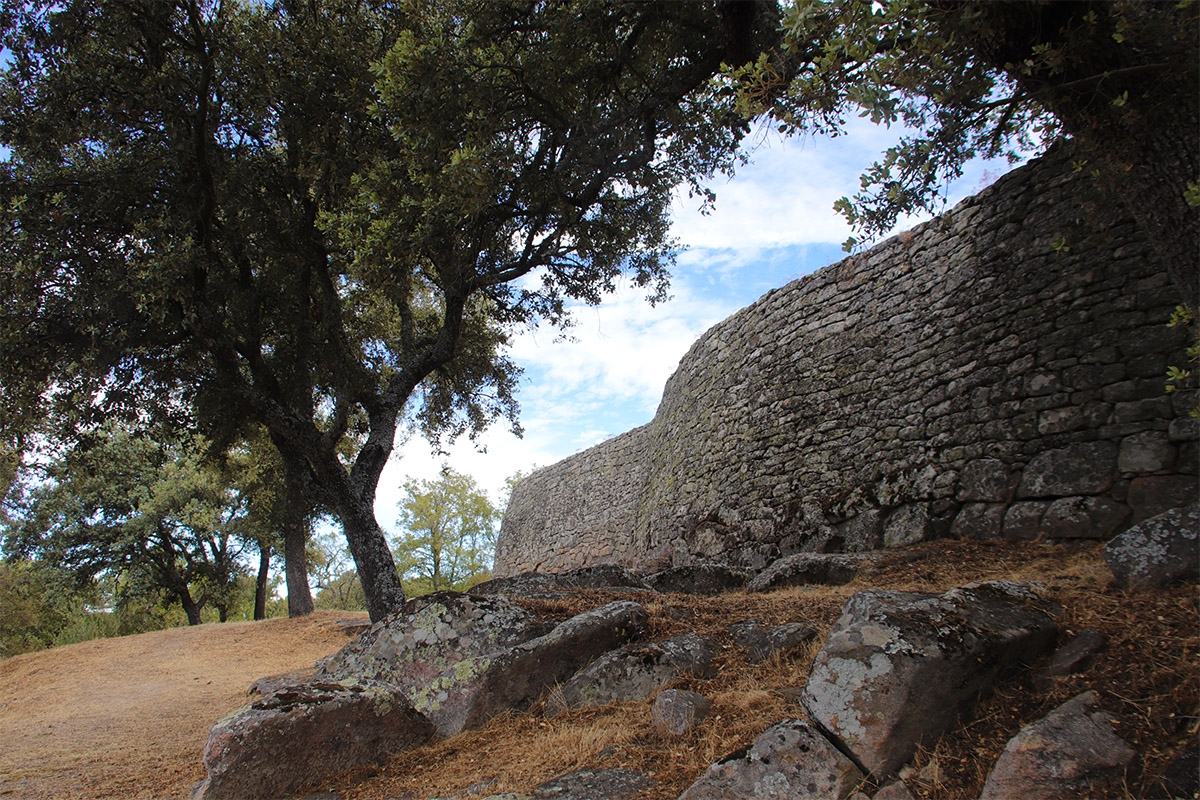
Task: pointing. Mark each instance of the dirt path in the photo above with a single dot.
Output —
(72, 726)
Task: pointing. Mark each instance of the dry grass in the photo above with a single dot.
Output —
(1148, 676)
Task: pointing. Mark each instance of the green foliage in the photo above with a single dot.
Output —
(156, 519)
(344, 593)
(450, 533)
(306, 215)
(971, 79)
(1182, 378)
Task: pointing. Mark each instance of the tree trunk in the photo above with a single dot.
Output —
(295, 547)
(260, 584)
(381, 585)
(190, 607)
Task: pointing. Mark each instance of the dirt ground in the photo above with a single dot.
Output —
(121, 718)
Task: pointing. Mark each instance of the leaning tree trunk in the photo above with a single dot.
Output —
(381, 585)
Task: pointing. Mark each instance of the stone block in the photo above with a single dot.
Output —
(1158, 551)
(1077, 469)
(1146, 452)
(907, 525)
(1151, 496)
(986, 480)
(979, 521)
(677, 712)
(1023, 521)
(1085, 518)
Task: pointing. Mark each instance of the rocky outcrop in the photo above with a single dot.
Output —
(534, 584)
(966, 377)
(791, 759)
(806, 568)
(898, 668)
(635, 672)
(1158, 551)
(762, 642)
(698, 579)
(295, 737)
(1070, 753)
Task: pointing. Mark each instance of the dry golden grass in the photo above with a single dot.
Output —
(1148, 676)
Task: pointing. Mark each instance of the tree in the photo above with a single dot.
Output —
(996, 79)
(307, 215)
(450, 531)
(151, 515)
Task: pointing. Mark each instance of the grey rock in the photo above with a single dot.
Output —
(677, 712)
(790, 759)
(294, 738)
(1072, 752)
(907, 525)
(635, 672)
(1146, 452)
(1024, 520)
(1073, 470)
(705, 579)
(1159, 551)
(863, 532)
(761, 643)
(986, 480)
(1073, 657)
(894, 791)
(807, 568)
(602, 576)
(1084, 518)
(898, 667)
(594, 784)
(979, 521)
(1181, 778)
(273, 683)
(477, 689)
(1154, 494)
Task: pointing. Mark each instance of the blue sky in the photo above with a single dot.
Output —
(773, 222)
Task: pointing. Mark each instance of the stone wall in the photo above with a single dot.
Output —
(995, 372)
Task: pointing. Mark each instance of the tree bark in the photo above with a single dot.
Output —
(295, 546)
(381, 585)
(260, 584)
(190, 607)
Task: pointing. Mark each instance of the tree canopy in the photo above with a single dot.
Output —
(449, 534)
(323, 217)
(1002, 79)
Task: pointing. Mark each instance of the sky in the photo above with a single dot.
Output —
(773, 222)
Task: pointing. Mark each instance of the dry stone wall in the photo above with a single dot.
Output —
(997, 372)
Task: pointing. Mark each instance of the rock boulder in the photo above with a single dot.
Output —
(898, 668)
(1161, 550)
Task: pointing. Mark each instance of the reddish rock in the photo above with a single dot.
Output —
(1070, 753)
(296, 737)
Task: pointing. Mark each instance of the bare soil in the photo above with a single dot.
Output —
(128, 717)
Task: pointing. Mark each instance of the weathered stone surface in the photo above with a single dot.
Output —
(899, 667)
(1074, 656)
(1084, 518)
(790, 760)
(1181, 778)
(698, 579)
(602, 576)
(1159, 551)
(987, 480)
(935, 367)
(271, 683)
(894, 791)
(907, 525)
(1024, 520)
(677, 711)
(594, 784)
(1076, 469)
(1146, 452)
(979, 521)
(296, 737)
(635, 672)
(761, 643)
(806, 568)
(1151, 496)
(1070, 753)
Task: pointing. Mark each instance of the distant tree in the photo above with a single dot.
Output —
(154, 516)
(449, 535)
(323, 217)
(1002, 79)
